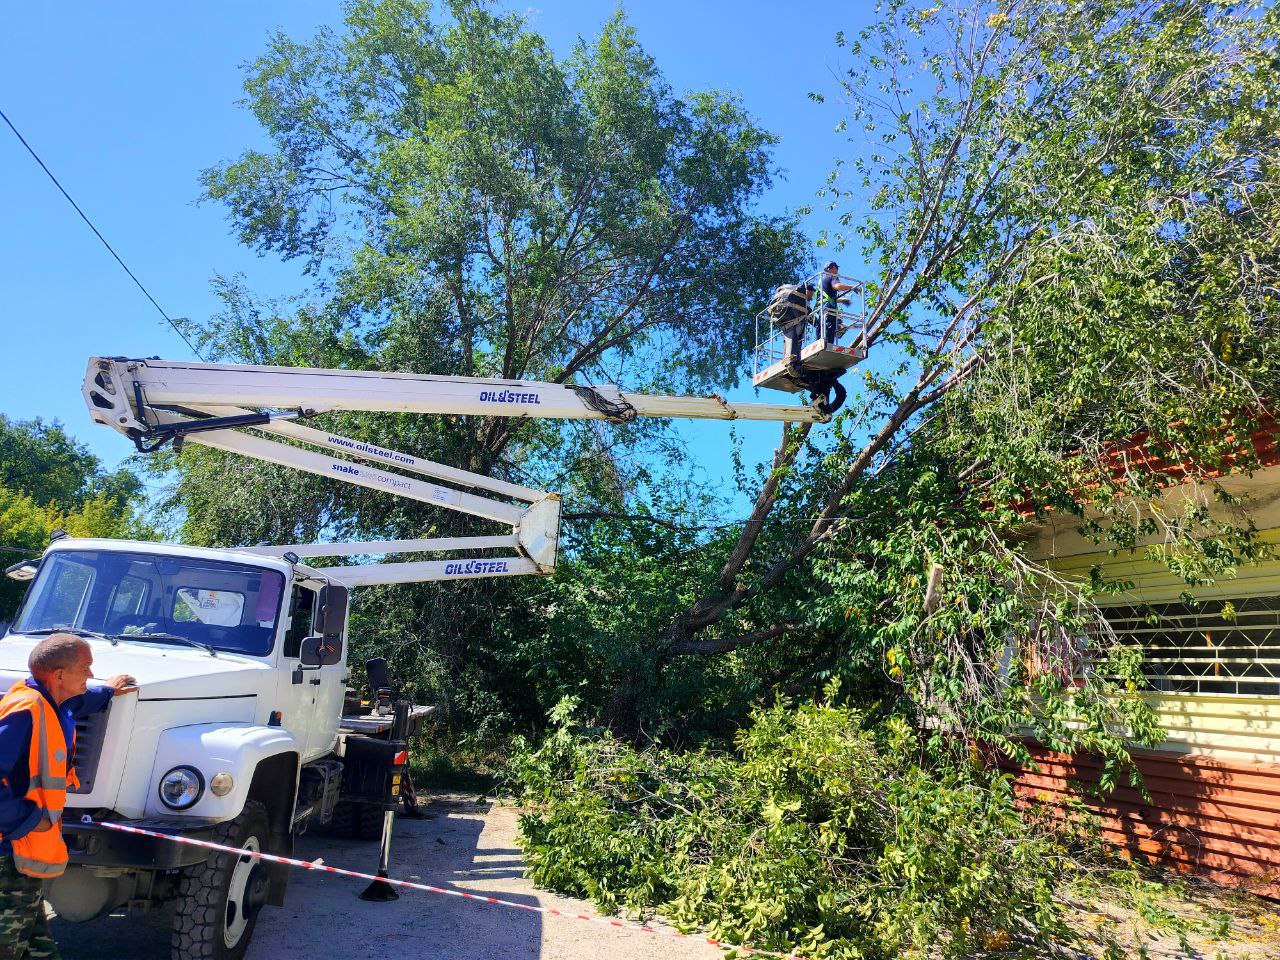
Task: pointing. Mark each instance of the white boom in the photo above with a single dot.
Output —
(157, 401)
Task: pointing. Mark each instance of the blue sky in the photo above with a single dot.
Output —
(127, 103)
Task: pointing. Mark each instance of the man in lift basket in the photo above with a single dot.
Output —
(789, 311)
(830, 289)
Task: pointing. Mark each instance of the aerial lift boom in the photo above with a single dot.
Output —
(154, 402)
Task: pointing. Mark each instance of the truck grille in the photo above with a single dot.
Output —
(90, 732)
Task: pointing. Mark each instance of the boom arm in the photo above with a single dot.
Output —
(156, 401)
(169, 383)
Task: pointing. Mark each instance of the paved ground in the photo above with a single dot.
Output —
(466, 846)
(470, 846)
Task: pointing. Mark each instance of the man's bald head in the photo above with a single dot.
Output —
(58, 651)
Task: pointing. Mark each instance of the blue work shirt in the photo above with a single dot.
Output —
(18, 815)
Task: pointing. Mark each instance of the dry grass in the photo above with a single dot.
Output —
(1160, 917)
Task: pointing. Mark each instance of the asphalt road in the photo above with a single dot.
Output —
(465, 846)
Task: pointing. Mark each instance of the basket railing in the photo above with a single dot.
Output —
(851, 314)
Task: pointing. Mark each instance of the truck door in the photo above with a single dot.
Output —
(297, 693)
(331, 690)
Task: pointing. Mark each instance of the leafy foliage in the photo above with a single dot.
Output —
(43, 461)
(997, 646)
(817, 834)
(529, 217)
(1148, 312)
(50, 482)
(1069, 209)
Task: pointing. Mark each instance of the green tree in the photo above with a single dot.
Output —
(48, 482)
(515, 215)
(470, 203)
(43, 461)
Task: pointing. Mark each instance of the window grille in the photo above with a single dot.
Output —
(1216, 646)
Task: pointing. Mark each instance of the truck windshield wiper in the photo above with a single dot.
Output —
(74, 631)
(164, 638)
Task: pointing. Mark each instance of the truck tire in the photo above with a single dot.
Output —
(361, 821)
(369, 822)
(343, 823)
(218, 901)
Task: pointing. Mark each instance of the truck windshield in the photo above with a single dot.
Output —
(228, 606)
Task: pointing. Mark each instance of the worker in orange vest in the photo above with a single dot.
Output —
(37, 735)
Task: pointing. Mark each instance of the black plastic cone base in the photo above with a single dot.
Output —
(380, 891)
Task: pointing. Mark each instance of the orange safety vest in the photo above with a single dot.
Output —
(43, 854)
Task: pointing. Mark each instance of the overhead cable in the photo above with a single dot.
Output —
(98, 234)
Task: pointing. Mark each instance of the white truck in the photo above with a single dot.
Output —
(237, 734)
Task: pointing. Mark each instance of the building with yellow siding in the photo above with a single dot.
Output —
(1212, 670)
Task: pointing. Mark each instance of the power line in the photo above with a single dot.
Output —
(98, 234)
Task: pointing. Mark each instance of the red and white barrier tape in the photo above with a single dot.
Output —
(461, 894)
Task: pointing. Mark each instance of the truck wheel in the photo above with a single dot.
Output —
(218, 901)
(362, 821)
(369, 822)
(343, 823)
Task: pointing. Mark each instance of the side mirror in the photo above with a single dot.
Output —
(331, 612)
(22, 570)
(320, 651)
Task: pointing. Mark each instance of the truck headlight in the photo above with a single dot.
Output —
(181, 787)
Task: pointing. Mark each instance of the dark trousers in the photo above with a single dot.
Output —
(24, 932)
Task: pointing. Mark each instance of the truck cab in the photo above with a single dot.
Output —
(234, 734)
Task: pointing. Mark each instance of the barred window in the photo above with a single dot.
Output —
(1216, 646)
